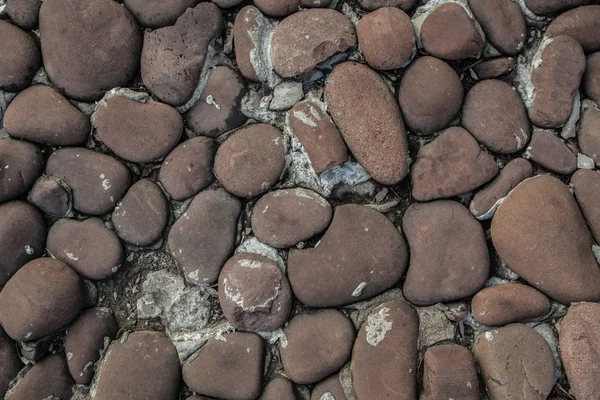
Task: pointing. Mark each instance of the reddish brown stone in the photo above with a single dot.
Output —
(586, 187)
(227, 3)
(280, 388)
(21, 163)
(158, 13)
(546, 7)
(494, 67)
(502, 22)
(547, 150)
(20, 58)
(249, 31)
(330, 386)
(371, 5)
(588, 133)
(591, 78)
(10, 361)
(449, 372)
(48, 378)
(582, 24)
(277, 8)
(315, 3)
(51, 195)
(24, 13)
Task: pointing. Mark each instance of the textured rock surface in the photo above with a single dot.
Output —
(24, 13)
(502, 22)
(547, 150)
(277, 8)
(586, 187)
(51, 196)
(591, 78)
(280, 388)
(582, 24)
(21, 163)
(546, 7)
(158, 13)
(11, 364)
(20, 58)
(494, 67)
(370, 5)
(588, 133)
(331, 386)
(449, 372)
(251, 31)
(48, 378)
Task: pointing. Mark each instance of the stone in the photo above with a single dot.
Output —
(152, 365)
(173, 56)
(219, 108)
(227, 3)
(441, 38)
(305, 39)
(142, 216)
(450, 165)
(188, 168)
(135, 131)
(52, 196)
(251, 161)
(254, 293)
(588, 133)
(372, 5)
(21, 163)
(384, 358)
(361, 255)
(284, 218)
(369, 119)
(586, 187)
(449, 372)
(20, 58)
(547, 150)
(277, 8)
(11, 363)
(39, 299)
(503, 24)
(315, 3)
(585, 162)
(252, 34)
(579, 340)
(285, 95)
(452, 271)
(591, 78)
(89, 46)
(230, 368)
(387, 38)
(515, 362)
(547, 7)
(88, 246)
(158, 13)
(555, 80)
(203, 238)
(318, 343)
(328, 387)
(529, 232)
(582, 24)
(430, 95)
(48, 378)
(280, 388)
(22, 236)
(86, 340)
(98, 181)
(486, 201)
(24, 13)
(494, 68)
(42, 114)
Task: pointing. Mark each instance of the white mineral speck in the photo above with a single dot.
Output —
(378, 326)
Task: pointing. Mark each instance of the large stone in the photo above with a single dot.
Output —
(48, 378)
(20, 58)
(591, 78)
(449, 372)
(549, 151)
(546, 7)
(502, 22)
(586, 187)
(582, 24)
(277, 8)
(21, 163)
(371, 5)
(24, 13)
(588, 133)
(11, 363)
(158, 13)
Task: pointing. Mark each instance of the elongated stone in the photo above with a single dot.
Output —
(503, 24)
(158, 13)
(20, 58)
(582, 24)
(21, 163)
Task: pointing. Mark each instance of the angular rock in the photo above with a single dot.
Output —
(330, 386)
(361, 255)
(277, 8)
(582, 24)
(547, 150)
(48, 378)
(203, 238)
(449, 372)
(285, 95)
(430, 95)
(450, 165)
(591, 78)
(364, 109)
(318, 343)
(42, 114)
(539, 232)
(503, 24)
(158, 13)
(173, 56)
(20, 58)
(371, 5)
(546, 7)
(89, 46)
(21, 163)
(251, 33)
(11, 363)
(24, 13)
(280, 388)
(588, 133)
(494, 67)
(586, 187)
(51, 196)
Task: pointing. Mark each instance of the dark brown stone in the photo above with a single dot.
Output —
(280, 388)
(591, 78)
(586, 187)
(330, 386)
(277, 8)
(546, 7)
(588, 133)
(582, 24)
(10, 361)
(20, 58)
(371, 5)
(51, 196)
(48, 378)
(449, 372)
(494, 67)
(21, 163)
(315, 3)
(549, 151)
(158, 13)
(227, 3)
(502, 22)
(24, 13)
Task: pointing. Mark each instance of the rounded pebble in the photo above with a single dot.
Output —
(582, 24)
(21, 163)
(546, 7)
(48, 378)
(549, 151)
(503, 24)
(24, 13)
(277, 8)
(51, 195)
(280, 388)
(494, 68)
(158, 13)
(591, 78)
(20, 58)
(372, 5)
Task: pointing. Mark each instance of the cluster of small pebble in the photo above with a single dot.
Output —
(299, 199)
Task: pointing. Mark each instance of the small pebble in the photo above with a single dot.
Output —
(549, 151)
(584, 162)
(494, 68)
(48, 378)
(24, 13)
(285, 95)
(51, 195)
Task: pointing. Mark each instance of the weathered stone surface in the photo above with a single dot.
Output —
(251, 160)
(305, 39)
(588, 133)
(591, 78)
(24, 13)
(586, 187)
(98, 181)
(285, 95)
(51, 196)
(152, 368)
(280, 388)
(138, 132)
(451, 164)
(42, 114)
(515, 362)
(330, 386)
(582, 24)
(89, 46)
(371, 5)
(20, 58)
(231, 369)
(364, 109)
(227, 3)
(40, 298)
(547, 150)
(21, 163)
(277, 8)
(529, 232)
(494, 67)
(158, 13)
(250, 31)
(448, 272)
(449, 372)
(173, 56)
(502, 22)
(48, 378)
(546, 7)
(361, 255)
(203, 238)
(384, 357)
(315, 3)
(11, 363)
(318, 343)
(430, 95)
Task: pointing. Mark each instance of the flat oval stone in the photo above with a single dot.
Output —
(173, 56)
(280, 388)
(586, 187)
(496, 116)
(452, 271)
(364, 108)
(387, 38)
(20, 58)
(555, 81)
(22, 236)
(503, 24)
(254, 293)
(277, 8)
(51, 195)
(250, 32)
(98, 181)
(361, 255)
(158, 13)
(227, 3)
(494, 67)
(305, 39)
(449, 372)
(42, 114)
(547, 150)
(48, 378)
(515, 362)
(142, 216)
(591, 78)
(582, 24)
(371, 5)
(430, 95)
(152, 365)
(136, 131)
(528, 234)
(89, 247)
(21, 163)
(546, 7)
(24, 13)
(85, 340)
(384, 358)
(287, 217)
(203, 238)
(40, 298)
(219, 108)
(507, 303)
(251, 160)
(11, 363)
(306, 360)
(231, 369)
(89, 46)
(328, 387)
(450, 165)
(588, 133)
